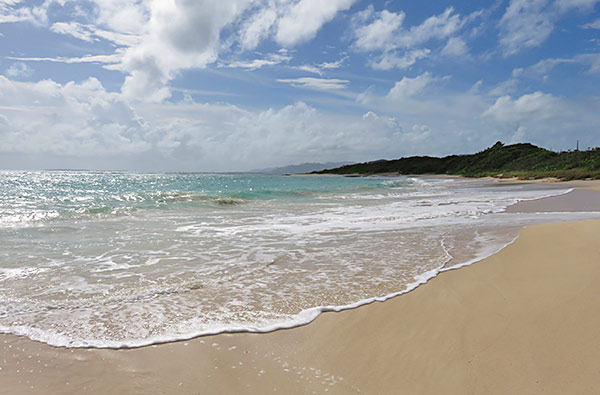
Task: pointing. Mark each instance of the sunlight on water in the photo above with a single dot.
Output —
(124, 259)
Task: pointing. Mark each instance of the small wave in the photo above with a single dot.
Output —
(27, 217)
(228, 202)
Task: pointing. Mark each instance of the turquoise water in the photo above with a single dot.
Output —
(42, 195)
(114, 259)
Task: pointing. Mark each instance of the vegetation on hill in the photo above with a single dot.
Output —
(516, 160)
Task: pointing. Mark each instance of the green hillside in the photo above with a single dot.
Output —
(516, 160)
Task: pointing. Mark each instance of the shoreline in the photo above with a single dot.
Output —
(307, 316)
(277, 354)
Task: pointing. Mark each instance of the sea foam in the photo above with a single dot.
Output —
(132, 259)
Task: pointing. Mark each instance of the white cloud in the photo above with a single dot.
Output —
(303, 19)
(542, 71)
(14, 11)
(455, 47)
(566, 5)
(19, 70)
(505, 87)
(257, 28)
(544, 67)
(181, 35)
(310, 69)
(401, 47)
(184, 35)
(109, 59)
(318, 69)
(529, 23)
(437, 27)
(269, 60)
(288, 22)
(83, 125)
(72, 119)
(332, 65)
(91, 33)
(534, 106)
(381, 32)
(475, 89)
(390, 60)
(525, 24)
(322, 84)
(594, 62)
(470, 121)
(46, 124)
(592, 25)
(128, 17)
(74, 29)
(369, 115)
(408, 87)
(121, 39)
(158, 39)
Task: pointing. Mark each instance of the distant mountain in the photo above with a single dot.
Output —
(301, 168)
(516, 160)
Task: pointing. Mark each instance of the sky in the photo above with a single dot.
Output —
(235, 85)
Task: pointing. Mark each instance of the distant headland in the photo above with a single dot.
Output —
(524, 161)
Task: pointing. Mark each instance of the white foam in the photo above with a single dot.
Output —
(217, 249)
(304, 317)
(19, 273)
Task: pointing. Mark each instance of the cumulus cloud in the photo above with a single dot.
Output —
(155, 40)
(303, 19)
(408, 87)
(83, 124)
(72, 119)
(288, 22)
(397, 46)
(188, 34)
(537, 105)
(181, 35)
(380, 33)
(128, 17)
(472, 120)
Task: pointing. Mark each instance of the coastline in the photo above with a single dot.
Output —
(497, 326)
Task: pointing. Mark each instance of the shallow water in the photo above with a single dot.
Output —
(108, 259)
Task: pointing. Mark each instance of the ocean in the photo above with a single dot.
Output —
(124, 259)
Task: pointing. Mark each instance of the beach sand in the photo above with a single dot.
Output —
(523, 321)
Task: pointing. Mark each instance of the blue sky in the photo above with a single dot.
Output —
(226, 85)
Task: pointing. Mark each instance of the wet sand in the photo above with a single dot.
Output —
(521, 321)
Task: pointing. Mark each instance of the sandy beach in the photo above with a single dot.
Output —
(523, 321)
